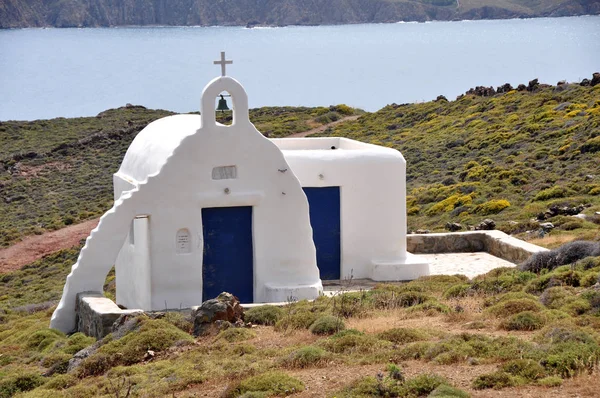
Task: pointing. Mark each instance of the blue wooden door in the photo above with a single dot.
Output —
(228, 255)
(324, 209)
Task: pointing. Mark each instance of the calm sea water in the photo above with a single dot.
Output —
(46, 73)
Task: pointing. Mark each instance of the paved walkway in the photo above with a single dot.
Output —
(468, 264)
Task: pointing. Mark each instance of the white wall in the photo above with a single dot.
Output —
(284, 262)
(373, 202)
(133, 267)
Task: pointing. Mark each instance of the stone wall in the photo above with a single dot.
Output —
(96, 314)
(496, 243)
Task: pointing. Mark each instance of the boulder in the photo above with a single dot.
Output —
(226, 307)
(533, 85)
(453, 226)
(556, 210)
(585, 82)
(547, 226)
(595, 79)
(482, 91)
(486, 225)
(521, 87)
(505, 88)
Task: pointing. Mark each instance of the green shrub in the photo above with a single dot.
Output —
(306, 357)
(350, 304)
(492, 207)
(343, 109)
(496, 380)
(61, 382)
(446, 391)
(591, 145)
(568, 253)
(236, 334)
(502, 298)
(273, 383)
(422, 384)
(180, 321)
(403, 335)
(449, 204)
(525, 368)
(77, 342)
(327, 324)
(58, 362)
(559, 277)
(328, 117)
(351, 343)
(571, 359)
(20, 383)
(572, 225)
(551, 193)
(557, 296)
(430, 308)
(570, 349)
(367, 386)
(512, 307)
(416, 350)
(150, 334)
(502, 280)
(264, 315)
(298, 318)
(576, 307)
(589, 279)
(550, 381)
(460, 290)
(42, 339)
(526, 320)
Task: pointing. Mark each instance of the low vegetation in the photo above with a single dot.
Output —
(511, 156)
(514, 157)
(552, 319)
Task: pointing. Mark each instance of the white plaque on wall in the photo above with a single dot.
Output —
(183, 241)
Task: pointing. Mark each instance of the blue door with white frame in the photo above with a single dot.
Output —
(228, 259)
(324, 210)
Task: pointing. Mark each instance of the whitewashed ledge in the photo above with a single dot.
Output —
(496, 243)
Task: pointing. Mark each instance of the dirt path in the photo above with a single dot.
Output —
(322, 128)
(35, 247)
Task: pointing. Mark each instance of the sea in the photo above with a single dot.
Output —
(48, 73)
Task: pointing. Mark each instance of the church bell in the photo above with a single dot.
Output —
(222, 104)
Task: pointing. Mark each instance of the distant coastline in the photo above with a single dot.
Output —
(15, 14)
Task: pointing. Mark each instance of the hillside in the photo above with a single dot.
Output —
(530, 332)
(58, 172)
(507, 156)
(508, 333)
(95, 13)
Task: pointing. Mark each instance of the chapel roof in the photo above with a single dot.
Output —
(154, 144)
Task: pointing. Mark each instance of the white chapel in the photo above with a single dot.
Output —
(201, 208)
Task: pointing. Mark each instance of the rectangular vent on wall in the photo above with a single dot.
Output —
(224, 173)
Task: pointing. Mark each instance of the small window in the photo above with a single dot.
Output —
(224, 173)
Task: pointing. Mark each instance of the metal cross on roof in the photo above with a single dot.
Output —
(223, 62)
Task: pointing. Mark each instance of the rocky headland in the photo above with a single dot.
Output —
(106, 13)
